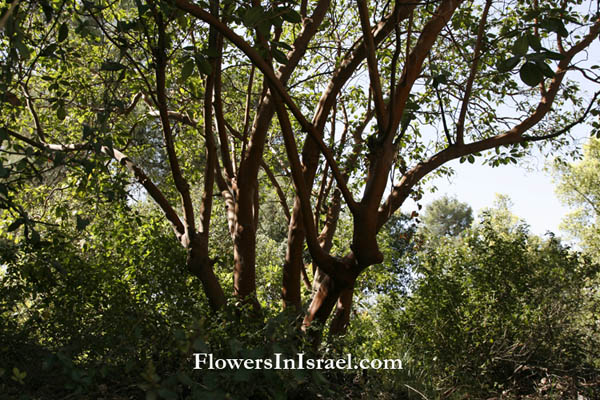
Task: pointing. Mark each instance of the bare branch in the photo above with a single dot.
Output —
(380, 108)
(567, 128)
(278, 189)
(8, 13)
(321, 257)
(442, 112)
(137, 172)
(218, 105)
(460, 125)
(247, 110)
(211, 148)
(511, 136)
(415, 59)
(180, 182)
(34, 114)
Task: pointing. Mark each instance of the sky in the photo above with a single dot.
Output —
(532, 191)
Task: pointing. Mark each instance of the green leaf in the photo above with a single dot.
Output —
(59, 157)
(167, 394)
(87, 131)
(63, 32)
(198, 344)
(508, 64)
(531, 74)
(23, 50)
(15, 225)
(47, 9)
(49, 50)
(520, 46)
(242, 375)
(535, 57)
(20, 375)
(439, 79)
(282, 45)
(279, 56)
(534, 42)
(555, 25)
(3, 135)
(203, 65)
(61, 114)
(264, 27)
(545, 68)
(112, 66)
(187, 70)
(291, 15)
(552, 55)
(35, 236)
(185, 379)
(253, 16)
(211, 52)
(82, 223)
(4, 172)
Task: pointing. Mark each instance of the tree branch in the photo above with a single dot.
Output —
(567, 128)
(218, 105)
(444, 123)
(180, 182)
(137, 172)
(278, 189)
(369, 42)
(34, 114)
(414, 61)
(321, 257)
(247, 111)
(514, 135)
(211, 148)
(460, 125)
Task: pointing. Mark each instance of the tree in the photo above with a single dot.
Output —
(447, 217)
(370, 100)
(579, 187)
(497, 310)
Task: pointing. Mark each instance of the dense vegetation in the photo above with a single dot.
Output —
(492, 310)
(225, 177)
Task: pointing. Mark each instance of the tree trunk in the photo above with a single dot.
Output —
(341, 318)
(292, 267)
(200, 265)
(330, 290)
(293, 264)
(244, 247)
(320, 308)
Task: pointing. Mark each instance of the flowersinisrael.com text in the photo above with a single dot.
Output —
(208, 361)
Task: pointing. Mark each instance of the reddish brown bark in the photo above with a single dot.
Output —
(245, 210)
(201, 266)
(364, 249)
(341, 318)
(368, 215)
(330, 289)
(292, 266)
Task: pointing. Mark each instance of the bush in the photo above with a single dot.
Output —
(498, 311)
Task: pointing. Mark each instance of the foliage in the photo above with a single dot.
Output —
(166, 165)
(497, 311)
(80, 316)
(183, 97)
(579, 187)
(447, 217)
